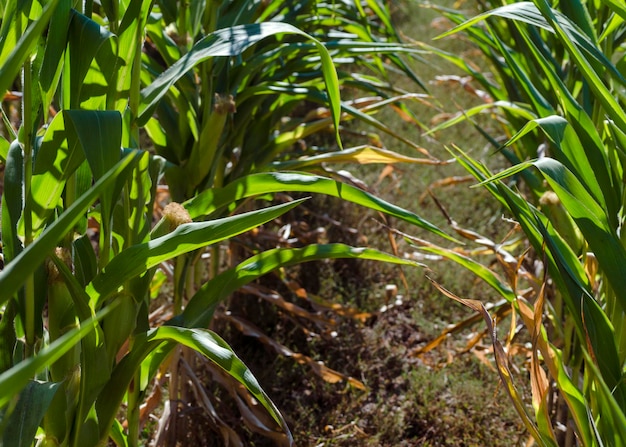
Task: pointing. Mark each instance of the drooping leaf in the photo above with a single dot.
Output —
(553, 126)
(591, 219)
(503, 367)
(476, 268)
(217, 350)
(189, 236)
(210, 200)
(232, 42)
(200, 308)
(536, 14)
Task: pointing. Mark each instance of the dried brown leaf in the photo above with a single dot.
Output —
(253, 414)
(448, 181)
(326, 373)
(501, 357)
(320, 303)
(229, 436)
(278, 300)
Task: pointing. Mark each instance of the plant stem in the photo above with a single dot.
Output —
(174, 396)
(27, 129)
(179, 283)
(133, 410)
(27, 126)
(183, 32)
(135, 89)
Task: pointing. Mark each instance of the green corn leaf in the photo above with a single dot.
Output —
(4, 149)
(166, 46)
(142, 189)
(95, 364)
(217, 350)
(534, 15)
(591, 219)
(129, 46)
(15, 379)
(12, 64)
(568, 36)
(159, 344)
(540, 14)
(232, 42)
(197, 12)
(15, 273)
(208, 201)
(597, 334)
(578, 156)
(535, 94)
(9, 32)
(381, 12)
(517, 110)
(92, 64)
(99, 134)
(22, 423)
(577, 12)
(8, 338)
(553, 126)
(612, 419)
(85, 261)
(586, 212)
(582, 150)
(72, 136)
(594, 330)
(199, 310)
(187, 237)
(112, 9)
(56, 162)
(476, 268)
(117, 434)
(617, 6)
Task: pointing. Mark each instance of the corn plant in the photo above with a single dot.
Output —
(556, 92)
(90, 81)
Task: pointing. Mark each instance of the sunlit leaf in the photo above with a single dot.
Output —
(189, 236)
(13, 275)
(200, 308)
(210, 200)
(232, 42)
